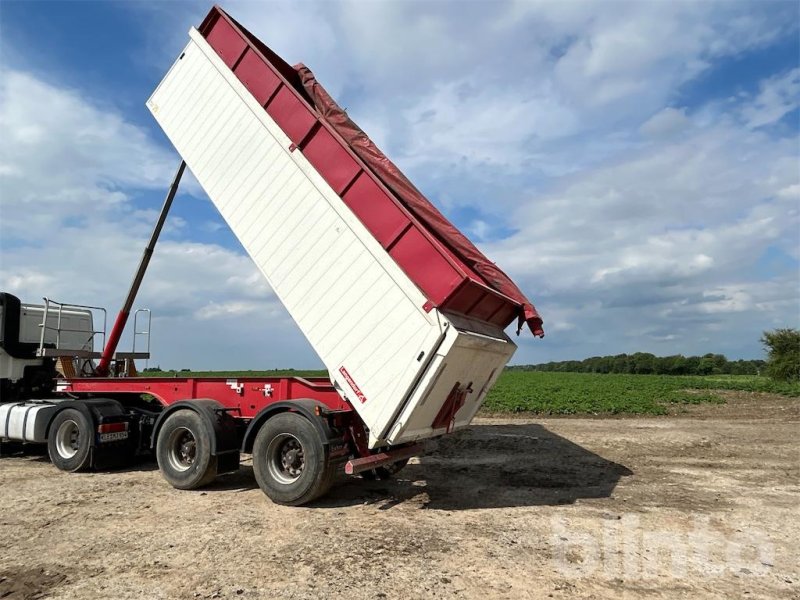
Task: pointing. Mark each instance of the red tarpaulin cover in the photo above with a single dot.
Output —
(414, 201)
(231, 42)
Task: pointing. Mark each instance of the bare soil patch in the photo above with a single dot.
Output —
(701, 504)
(743, 405)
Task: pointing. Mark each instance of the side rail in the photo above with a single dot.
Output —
(146, 317)
(60, 335)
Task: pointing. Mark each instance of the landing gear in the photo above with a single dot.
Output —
(183, 451)
(289, 460)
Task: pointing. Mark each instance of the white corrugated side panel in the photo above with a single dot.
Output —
(354, 304)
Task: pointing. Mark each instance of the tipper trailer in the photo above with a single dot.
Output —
(407, 315)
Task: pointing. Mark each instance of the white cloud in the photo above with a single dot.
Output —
(65, 159)
(790, 192)
(490, 89)
(666, 242)
(726, 299)
(71, 230)
(643, 220)
(479, 230)
(666, 122)
(241, 308)
(778, 96)
(467, 122)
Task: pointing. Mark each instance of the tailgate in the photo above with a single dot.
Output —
(456, 381)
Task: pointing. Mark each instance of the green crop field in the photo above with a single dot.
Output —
(519, 391)
(574, 393)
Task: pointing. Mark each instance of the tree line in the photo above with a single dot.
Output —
(783, 361)
(644, 363)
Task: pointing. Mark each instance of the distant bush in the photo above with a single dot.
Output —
(783, 354)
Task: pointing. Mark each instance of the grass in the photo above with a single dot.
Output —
(580, 393)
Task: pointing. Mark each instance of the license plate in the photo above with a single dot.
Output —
(114, 437)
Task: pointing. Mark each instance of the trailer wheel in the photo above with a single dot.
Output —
(289, 460)
(385, 472)
(183, 451)
(69, 442)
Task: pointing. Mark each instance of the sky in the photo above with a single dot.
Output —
(633, 166)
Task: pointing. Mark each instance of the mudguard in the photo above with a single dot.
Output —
(95, 409)
(305, 407)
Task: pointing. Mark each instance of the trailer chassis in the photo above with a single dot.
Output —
(198, 428)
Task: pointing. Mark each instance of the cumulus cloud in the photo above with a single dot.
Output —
(666, 122)
(667, 241)
(637, 221)
(73, 226)
(778, 96)
(503, 91)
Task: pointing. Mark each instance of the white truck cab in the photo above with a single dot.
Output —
(21, 326)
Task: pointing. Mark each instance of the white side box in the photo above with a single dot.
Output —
(25, 421)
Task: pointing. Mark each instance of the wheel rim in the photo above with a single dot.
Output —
(181, 449)
(285, 458)
(68, 439)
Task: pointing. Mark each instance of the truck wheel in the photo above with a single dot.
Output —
(289, 460)
(183, 451)
(386, 472)
(69, 441)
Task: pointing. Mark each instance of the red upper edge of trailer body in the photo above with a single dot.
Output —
(429, 249)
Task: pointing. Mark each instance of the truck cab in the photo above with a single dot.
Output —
(24, 368)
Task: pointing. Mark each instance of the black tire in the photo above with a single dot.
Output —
(183, 451)
(385, 472)
(289, 460)
(69, 441)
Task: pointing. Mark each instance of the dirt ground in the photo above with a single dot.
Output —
(700, 504)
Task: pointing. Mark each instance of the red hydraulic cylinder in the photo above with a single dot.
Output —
(122, 317)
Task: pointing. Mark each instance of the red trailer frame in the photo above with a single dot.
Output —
(244, 397)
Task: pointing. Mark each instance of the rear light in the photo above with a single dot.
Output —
(112, 427)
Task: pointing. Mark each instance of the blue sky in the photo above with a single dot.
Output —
(633, 166)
